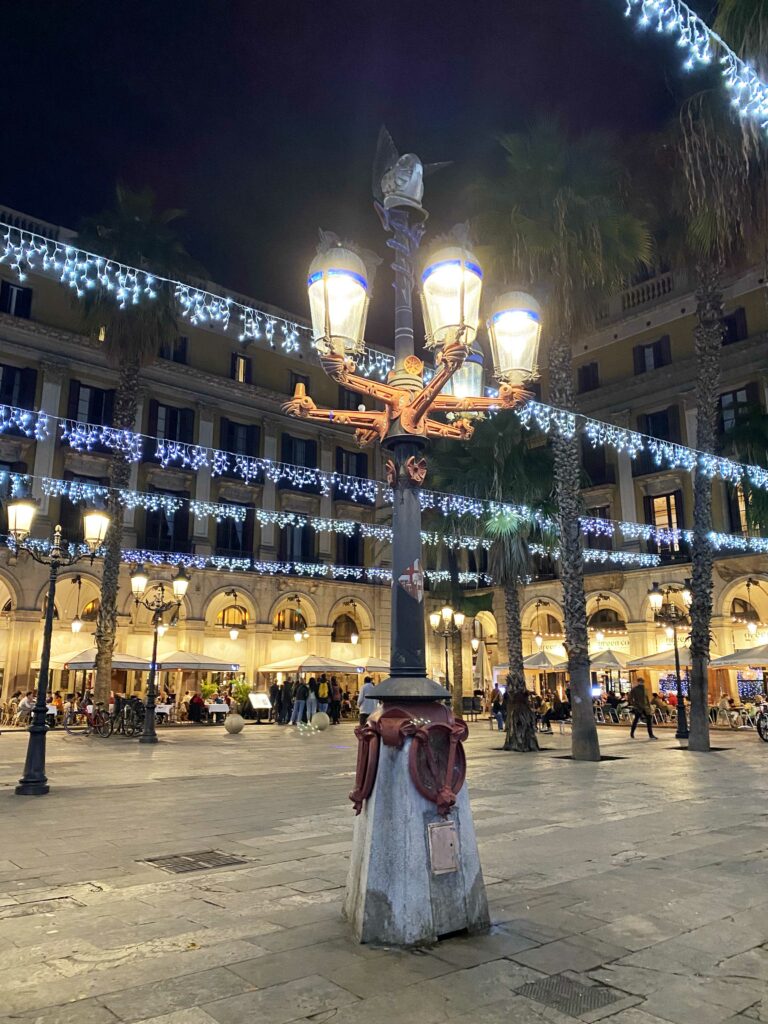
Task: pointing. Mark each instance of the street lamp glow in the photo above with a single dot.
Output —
(354, 638)
(21, 515)
(539, 640)
(514, 329)
(77, 624)
(687, 594)
(655, 597)
(670, 632)
(234, 633)
(162, 629)
(752, 627)
(452, 284)
(447, 613)
(459, 619)
(180, 583)
(599, 636)
(95, 525)
(139, 581)
(468, 381)
(298, 636)
(338, 301)
(475, 644)
(434, 620)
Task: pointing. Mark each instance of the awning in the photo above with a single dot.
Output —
(664, 659)
(602, 659)
(541, 662)
(310, 663)
(371, 664)
(79, 660)
(743, 659)
(191, 662)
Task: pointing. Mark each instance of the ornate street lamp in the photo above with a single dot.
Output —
(451, 295)
(21, 514)
(446, 623)
(671, 618)
(538, 638)
(77, 622)
(157, 605)
(514, 328)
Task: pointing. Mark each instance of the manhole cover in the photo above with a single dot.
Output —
(569, 996)
(181, 863)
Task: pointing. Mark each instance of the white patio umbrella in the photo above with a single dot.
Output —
(84, 660)
(371, 664)
(663, 659)
(309, 663)
(606, 659)
(743, 659)
(541, 661)
(191, 662)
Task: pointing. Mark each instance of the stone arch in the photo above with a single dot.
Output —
(14, 590)
(67, 595)
(362, 613)
(528, 613)
(488, 624)
(288, 600)
(220, 599)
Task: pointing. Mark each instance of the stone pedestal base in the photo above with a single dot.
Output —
(414, 875)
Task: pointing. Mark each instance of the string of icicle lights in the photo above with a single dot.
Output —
(702, 46)
(83, 271)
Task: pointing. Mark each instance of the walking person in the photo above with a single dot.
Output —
(312, 699)
(366, 701)
(641, 708)
(275, 699)
(300, 694)
(323, 693)
(335, 701)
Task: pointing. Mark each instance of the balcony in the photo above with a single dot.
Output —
(643, 295)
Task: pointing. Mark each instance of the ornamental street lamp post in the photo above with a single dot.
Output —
(157, 605)
(414, 872)
(21, 514)
(446, 623)
(671, 618)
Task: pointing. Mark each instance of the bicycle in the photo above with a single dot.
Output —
(130, 719)
(82, 722)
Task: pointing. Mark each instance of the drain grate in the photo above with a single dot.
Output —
(569, 996)
(181, 863)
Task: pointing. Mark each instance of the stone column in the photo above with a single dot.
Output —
(327, 541)
(200, 535)
(45, 450)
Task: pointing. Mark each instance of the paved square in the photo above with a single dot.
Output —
(643, 878)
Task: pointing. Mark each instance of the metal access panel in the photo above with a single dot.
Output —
(443, 847)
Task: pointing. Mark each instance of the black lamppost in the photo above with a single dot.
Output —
(21, 513)
(446, 623)
(672, 618)
(157, 605)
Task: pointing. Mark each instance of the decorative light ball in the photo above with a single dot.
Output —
(234, 723)
(320, 720)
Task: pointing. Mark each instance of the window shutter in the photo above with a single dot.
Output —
(673, 423)
(665, 350)
(74, 399)
(248, 534)
(639, 361)
(286, 448)
(27, 388)
(152, 421)
(362, 464)
(753, 395)
(109, 408)
(311, 454)
(248, 368)
(233, 366)
(186, 425)
(677, 497)
(740, 320)
(648, 509)
(225, 441)
(254, 437)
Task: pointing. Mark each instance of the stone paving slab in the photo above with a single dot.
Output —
(645, 875)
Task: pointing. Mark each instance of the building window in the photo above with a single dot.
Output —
(299, 451)
(91, 610)
(354, 464)
(235, 537)
(298, 378)
(350, 399)
(665, 512)
(165, 530)
(71, 512)
(240, 369)
(297, 544)
(102, 334)
(15, 300)
(90, 405)
(664, 424)
(599, 541)
(175, 349)
(735, 326)
(171, 424)
(289, 620)
(594, 462)
(343, 629)
(588, 377)
(652, 356)
(349, 550)
(239, 438)
(734, 406)
(737, 510)
(18, 386)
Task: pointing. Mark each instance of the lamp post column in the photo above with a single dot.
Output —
(149, 734)
(34, 782)
(682, 722)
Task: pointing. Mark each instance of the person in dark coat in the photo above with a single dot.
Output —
(641, 708)
(287, 701)
(300, 694)
(275, 699)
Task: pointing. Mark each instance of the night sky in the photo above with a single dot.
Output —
(260, 118)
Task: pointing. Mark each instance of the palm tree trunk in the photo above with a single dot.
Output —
(584, 742)
(521, 721)
(708, 336)
(126, 402)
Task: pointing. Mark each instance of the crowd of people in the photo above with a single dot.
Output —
(296, 700)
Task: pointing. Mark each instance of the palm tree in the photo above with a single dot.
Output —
(560, 222)
(138, 234)
(503, 463)
(747, 441)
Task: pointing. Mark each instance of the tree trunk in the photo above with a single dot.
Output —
(584, 741)
(126, 402)
(708, 336)
(521, 721)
